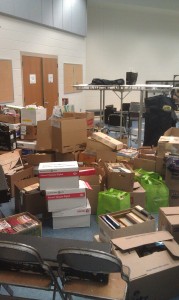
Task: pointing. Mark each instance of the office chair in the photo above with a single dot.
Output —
(21, 265)
(92, 274)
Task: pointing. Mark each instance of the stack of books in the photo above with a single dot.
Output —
(136, 216)
(17, 223)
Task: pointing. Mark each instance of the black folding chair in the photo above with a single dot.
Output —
(21, 265)
(92, 273)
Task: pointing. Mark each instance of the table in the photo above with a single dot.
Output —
(123, 91)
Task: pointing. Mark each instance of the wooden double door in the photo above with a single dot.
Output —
(40, 81)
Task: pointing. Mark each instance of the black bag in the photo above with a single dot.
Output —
(98, 81)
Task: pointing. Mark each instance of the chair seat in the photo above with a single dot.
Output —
(116, 288)
(26, 279)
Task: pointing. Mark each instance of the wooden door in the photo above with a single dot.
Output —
(32, 80)
(50, 83)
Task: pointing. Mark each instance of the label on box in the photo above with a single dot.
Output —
(58, 174)
(61, 195)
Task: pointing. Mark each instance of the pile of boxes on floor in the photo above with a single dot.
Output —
(59, 143)
(72, 138)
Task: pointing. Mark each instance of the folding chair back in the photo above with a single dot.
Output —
(22, 265)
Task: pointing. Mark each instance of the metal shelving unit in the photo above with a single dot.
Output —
(122, 91)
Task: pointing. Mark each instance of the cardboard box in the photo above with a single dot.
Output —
(26, 144)
(107, 140)
(172, 180)
(44, 141)
(11, 161)
(28, 197)
(56, 175)
(168, 219)
(92, 195)
(97, 184)
(20, 225)
(94, 145)
(66, 156)
(64, 199)
(138, 195)
(77, 217)
(69, 135)
(121, 180)
(28, 132)
(106, 233)
(37, 158)
(146, 164)
(106, 156)
(160, 166)
(173, 198)
(14, 176)
(89, 116)
(87, 157)
(31, 115)
(169, 142)
(154, 275)
(8, 140)
(9, 119)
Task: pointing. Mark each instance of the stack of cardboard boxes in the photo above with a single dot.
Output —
(65, 194)
(30, 115)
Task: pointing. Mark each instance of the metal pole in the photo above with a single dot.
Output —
(121, 115)
(101, 96)
(140, 118)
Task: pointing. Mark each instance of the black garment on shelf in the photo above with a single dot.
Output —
(159, 116)
(98, 81)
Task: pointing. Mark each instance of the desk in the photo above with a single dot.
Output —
(48, 247)
(123, 91)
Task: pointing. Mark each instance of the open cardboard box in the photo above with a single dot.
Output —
(106, 233)
(29, 198)
(168, 219)
(121, 180)
(169, 142)
(154, 275)
(138, 195)
(14, 169)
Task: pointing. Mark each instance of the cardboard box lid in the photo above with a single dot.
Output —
(169, 211)
(133, 241)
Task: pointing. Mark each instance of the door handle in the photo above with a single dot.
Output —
(45, 102)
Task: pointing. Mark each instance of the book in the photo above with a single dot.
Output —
(114, 222)
(143, 211)
(125, 221)
(134, 218)
(107, 222)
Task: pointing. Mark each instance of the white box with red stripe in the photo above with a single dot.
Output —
(64, 199)
(58, 175)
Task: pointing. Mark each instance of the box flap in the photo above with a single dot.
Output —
(133, 241)
(172, 131)
(173, 247)
(11, 160)
(170, 211)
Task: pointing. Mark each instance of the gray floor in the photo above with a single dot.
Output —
(72, 233)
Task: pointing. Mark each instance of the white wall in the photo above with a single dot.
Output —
(17, 37)
(123, 38)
